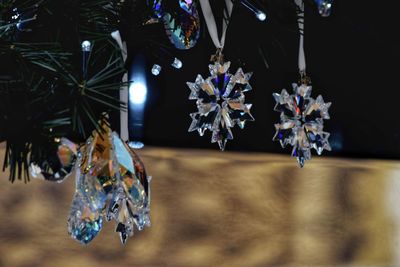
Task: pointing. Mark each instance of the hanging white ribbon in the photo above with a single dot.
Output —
(300, 20)
(123, 93)
(211, 24)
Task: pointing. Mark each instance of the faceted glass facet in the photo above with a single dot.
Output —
(183, 28)
(220, 102)
(301, 124)
(83, 223)
(108, 167)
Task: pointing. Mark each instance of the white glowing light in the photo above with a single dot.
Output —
(137, 93)
(136, 145)
(261, 16)
(86, 46)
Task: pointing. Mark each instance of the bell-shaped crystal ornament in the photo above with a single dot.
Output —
(105, 168)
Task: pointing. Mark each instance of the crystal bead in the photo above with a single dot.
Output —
(177, 64)
(156, 70)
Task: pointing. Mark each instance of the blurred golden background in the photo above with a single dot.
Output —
(221, 209)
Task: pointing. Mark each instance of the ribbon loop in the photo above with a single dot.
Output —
(300, 20)
(211, 24)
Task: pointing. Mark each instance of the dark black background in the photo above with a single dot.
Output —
(352, 59)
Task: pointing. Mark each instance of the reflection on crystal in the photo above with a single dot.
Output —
(108, 167)
(183, 28)
(186, 5)
(83, 223)
(122, 155)
(130, 200)
(94, 192)
(59, 166)
(220, 102)
(157, 7)
(66, 153)
(136, 145)
(34, 170)
(324, 7)
(301, 123)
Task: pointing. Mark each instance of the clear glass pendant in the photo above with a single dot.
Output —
(301, 124)
(220, 101)
(183, 29)
(111, 181)
(84, 224)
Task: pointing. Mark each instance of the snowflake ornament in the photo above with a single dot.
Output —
(302, 122)
(220, 102)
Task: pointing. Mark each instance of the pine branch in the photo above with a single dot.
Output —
(43, 94)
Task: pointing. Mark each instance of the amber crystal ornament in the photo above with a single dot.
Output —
(111, 183)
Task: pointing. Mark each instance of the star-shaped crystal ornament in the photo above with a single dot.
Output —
(220, 102)
(302, 122)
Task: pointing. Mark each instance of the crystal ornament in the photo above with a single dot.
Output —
(220, 102)
(157, 8)
(177, 64)
(324, 7)
(130, 203)
(110, 180)
(83, 223)
(302, 122)
(183, 27)
(35, 171)
(85, 219)
(156, 70)
(60, 166)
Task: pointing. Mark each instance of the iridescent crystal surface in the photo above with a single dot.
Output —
(107, 168)
(84, 223)
(130, 202)
(62, 165)
(183, 28)
(324, 7)
(302, 122)
(220, 102)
